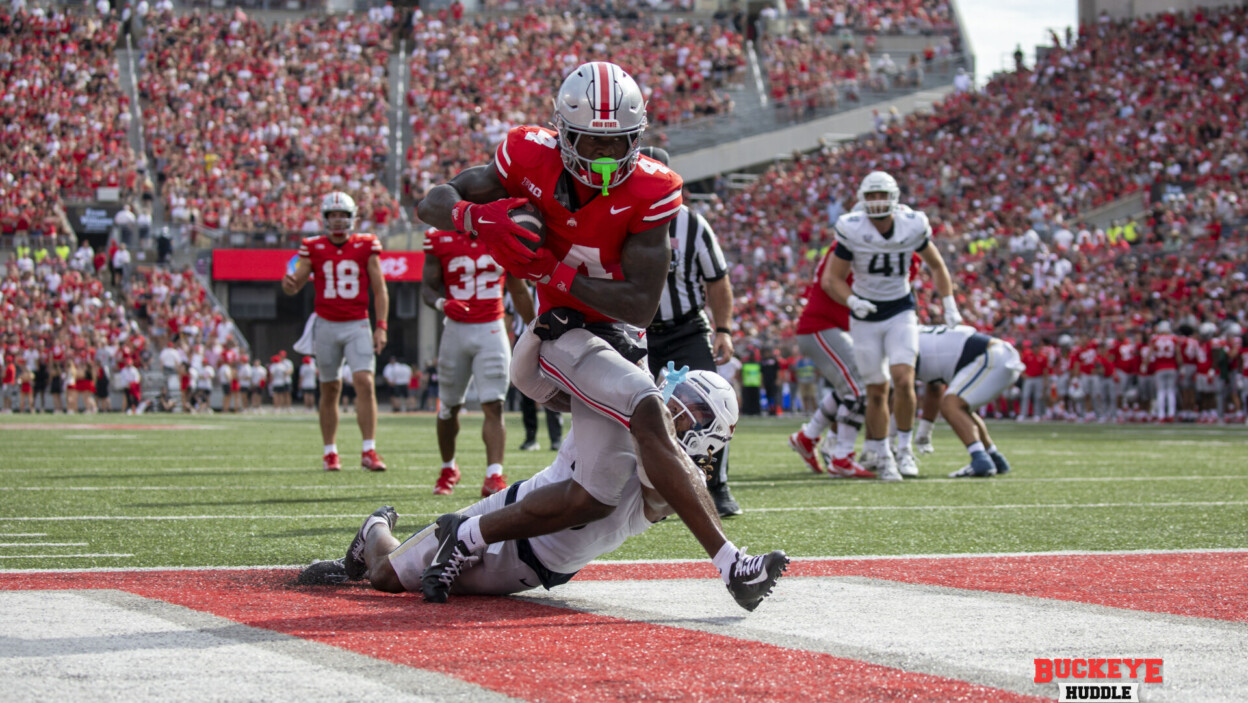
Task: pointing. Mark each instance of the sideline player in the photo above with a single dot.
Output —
(876, 243)
(822, 335)
(462, 281)
(680, 332)
(699, 402)
(604, 260)
(966, 370)
(344, 262)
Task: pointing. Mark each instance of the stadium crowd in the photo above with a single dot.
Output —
(250, 123)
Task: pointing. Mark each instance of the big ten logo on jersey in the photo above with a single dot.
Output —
(546, 139)
(341, 279)
(474, 278)
(537, 192)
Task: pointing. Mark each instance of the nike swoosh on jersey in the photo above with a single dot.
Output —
(614, 211)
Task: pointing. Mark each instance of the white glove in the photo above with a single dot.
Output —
(861, 308)
(953, 318)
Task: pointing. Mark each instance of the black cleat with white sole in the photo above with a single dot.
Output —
(451, 557)
(752, 578)
(354, 561)
(330, 572)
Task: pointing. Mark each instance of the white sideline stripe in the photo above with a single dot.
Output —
(44, 544)
(613, 562)
(813, 508)
(107, 645)
(747, 482)
(981, 637)
(23, 534)
(62, 556)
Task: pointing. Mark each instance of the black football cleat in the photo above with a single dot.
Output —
(330, 572)
(450, 558)
(752, 578)
(354, 561)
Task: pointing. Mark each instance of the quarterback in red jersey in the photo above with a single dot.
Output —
(605, 259)
(462, 280)
(344, 266)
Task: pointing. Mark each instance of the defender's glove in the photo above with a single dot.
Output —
(861, 308)
(553, 323)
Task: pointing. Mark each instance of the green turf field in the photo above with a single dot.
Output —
(249, 491)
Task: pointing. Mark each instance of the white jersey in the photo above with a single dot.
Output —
(943, 351)
(307, 377)
(881, 265)
(277, 374)
(204, 380)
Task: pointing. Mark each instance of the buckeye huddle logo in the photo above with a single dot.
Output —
(1098, 679)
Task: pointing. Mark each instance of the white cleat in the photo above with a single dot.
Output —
(888, 471)
(924, 445)
(907, 465)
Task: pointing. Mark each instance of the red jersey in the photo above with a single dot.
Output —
(340, 273)
(469, 274)
(1035, 363)
(1145, 367)
(821, 312)
(1203, 354)
(1190, 351)
(1085, 360)
(1165, 352)
(591, 238)
(1126, 356)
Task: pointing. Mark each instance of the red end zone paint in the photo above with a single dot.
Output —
(523, 649)
(1195, 584)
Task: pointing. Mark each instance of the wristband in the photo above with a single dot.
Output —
(459, 217)
(382, 325)
(723, 330)
(949, 303)
(439, 304)
(562, 276)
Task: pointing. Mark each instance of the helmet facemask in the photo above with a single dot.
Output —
(712, 414)
(599, 99)
(879, 182)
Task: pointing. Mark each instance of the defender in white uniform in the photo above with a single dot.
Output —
(966, 370)
(703, 430)
(876, 243)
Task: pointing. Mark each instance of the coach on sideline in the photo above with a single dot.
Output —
(680, 332)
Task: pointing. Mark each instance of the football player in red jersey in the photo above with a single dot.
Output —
(346, 265)
(605, 259)
(823, 336)
(1164, 347)
(463, 281)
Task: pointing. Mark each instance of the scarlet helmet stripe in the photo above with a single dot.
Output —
(604, 90)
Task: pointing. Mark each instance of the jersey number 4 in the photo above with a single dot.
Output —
(341, 280)
(882, 265)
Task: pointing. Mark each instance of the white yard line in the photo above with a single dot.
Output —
(44, 544)
(62, 556)
(23, 534)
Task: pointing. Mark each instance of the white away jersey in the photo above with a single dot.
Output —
(881, 265)
(941, 349)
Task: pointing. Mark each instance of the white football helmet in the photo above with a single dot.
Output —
(1163, 327)
(1207, 330)
(712, 405)
(338, 201)
(1065, 340)
(1234, 330)
(879, 182)
(599, 98)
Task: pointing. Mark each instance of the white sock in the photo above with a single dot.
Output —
(369, 444)
(846, 435)
(816, 425)
(903, 440)
(925, 429)
(372, 522)
(448, 464)
(976, 447)
(470, 533)
(331, 449)
(724, 559)
(875, 445)
(493, 470)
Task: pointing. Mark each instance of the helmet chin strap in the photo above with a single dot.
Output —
(604, 167)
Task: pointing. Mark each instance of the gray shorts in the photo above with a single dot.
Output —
(335, 342)
(469, 351)
(832, 350)
(605, 390)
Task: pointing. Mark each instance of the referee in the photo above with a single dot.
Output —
(680, 332)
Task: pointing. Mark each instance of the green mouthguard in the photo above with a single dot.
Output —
(604, 167)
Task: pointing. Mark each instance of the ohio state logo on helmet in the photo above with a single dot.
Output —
(599, 99)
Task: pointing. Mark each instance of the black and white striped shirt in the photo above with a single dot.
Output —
(696, 260)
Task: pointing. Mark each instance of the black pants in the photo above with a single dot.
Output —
(751, 400)
(686, 344)
(528, 411)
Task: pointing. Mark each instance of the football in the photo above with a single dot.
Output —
(529, 218)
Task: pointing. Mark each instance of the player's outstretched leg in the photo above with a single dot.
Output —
(354, 561)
